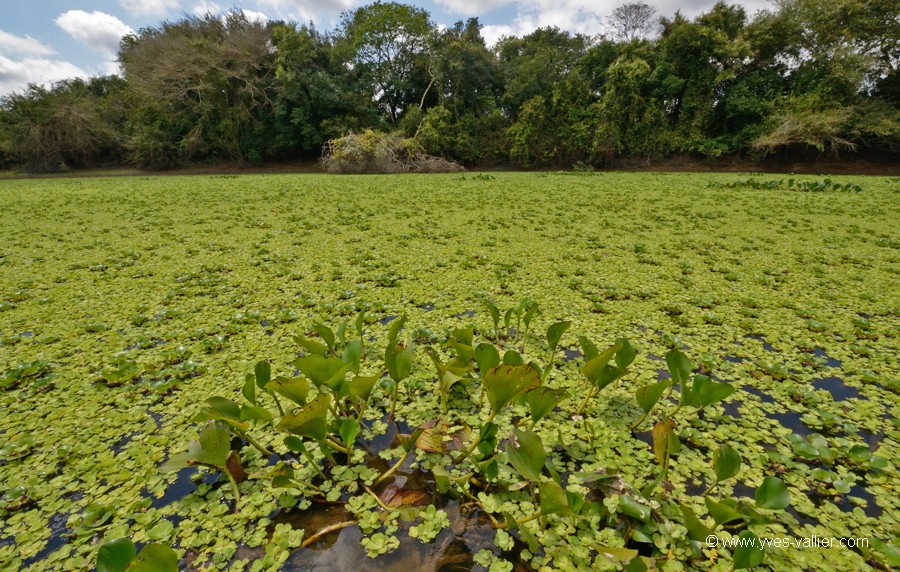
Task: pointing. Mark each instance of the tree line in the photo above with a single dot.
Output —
(804, 77)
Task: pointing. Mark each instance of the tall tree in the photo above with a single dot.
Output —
(391, 43)
(630, 22)
(202, 88)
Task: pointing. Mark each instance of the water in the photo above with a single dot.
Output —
(837, 388)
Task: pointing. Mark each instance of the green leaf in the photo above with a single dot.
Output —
(310, 421)
(696, 529)
(494, 311)
(530, 310)
(505, 382)
(661, 441)
(115, 555)
(211, 448)
(626, 353)
(394, 329)
(649, 395)
(512, 357)
(542, 400)
(526, 453)
(321, 370)
(679, 366)
(349, 431)
(486, 356)
(224, 407)
(255, 413)
(555, 333)
(726, 462)
(588, 348)
(353, 354)
(362, 386)
(161, 530)
(634, 508)
(399, 360)
(593, 368)
(312, 346)
(249, 389)
(772, 494)
(296, 388)
(749, 551)
(721, 511)
(554, 500)
(155, 558)
(263, 374)
(707, 392)
(619, 555)
(326, 334)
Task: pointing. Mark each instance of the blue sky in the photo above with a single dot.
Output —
(46, 40)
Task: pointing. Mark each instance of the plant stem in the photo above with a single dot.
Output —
(639, 421)
(393, 469)
(313, 463)
(587, 398)
(336, 446)
(377, 499)
(393, 400)
(234, 485)
(711, 487)
(278, 405)
(474, 444)
(328, 529)
(520, 520)
(256, 444)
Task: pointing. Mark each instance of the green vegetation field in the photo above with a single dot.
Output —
(126, 302)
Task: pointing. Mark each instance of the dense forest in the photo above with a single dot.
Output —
(806, 77)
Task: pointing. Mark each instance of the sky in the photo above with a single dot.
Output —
(42, 41)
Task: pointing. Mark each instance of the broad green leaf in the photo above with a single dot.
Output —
(326, 334)
(310, 421)
(588, 348)
(512, 357)
(634, 508)
(555, 333)
(249, 389)
(749, 551)
(321, 370)
(155, 558)
(448, 380)
(255, 413)
(296, 388)
(349, 431)
(542, 400)
(525, 452)
(593, 368)
(772, 494)
(362, 386)
(352, 355)
(359, 322)
(696, 529)
(554, 500)
(626, 353)
(399, 360)
(464, 336)
(224, 407)
(726, 462)
(487, 357)
(212, 447)
(679, 366)
(115, 555)
(494, 311)
(263, 374)
(721, 511)
(649, 395)
(530, 310)
(312, 346)
(505, 382)
(395, 327)
(707, 392)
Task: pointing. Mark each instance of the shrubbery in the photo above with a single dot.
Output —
(377, 152)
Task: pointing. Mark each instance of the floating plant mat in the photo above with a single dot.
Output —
(126, 302)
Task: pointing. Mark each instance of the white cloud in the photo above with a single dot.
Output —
(205, 7)
(23, 45)
(319, 11)
(98, 30)
(472, 7)
(255, 16)
(150, 7)
(16, 75)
